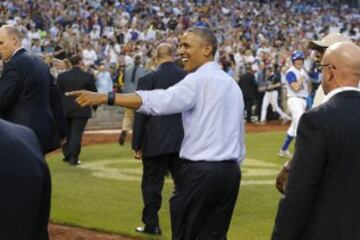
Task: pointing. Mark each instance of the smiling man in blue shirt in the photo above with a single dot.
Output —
(213, 146)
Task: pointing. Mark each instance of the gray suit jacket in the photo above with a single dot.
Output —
(131, 83)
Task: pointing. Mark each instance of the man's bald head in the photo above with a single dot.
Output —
(164, 53)
(343, 60)
(10, 41)
(12, 31)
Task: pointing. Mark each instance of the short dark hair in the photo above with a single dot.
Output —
(137, 60)
(75, 60)
(207, 35)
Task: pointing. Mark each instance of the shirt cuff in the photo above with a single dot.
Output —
(144, 108)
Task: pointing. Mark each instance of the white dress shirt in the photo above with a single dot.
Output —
(212, 106)
(89, 56)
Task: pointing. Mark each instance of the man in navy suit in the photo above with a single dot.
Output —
(28, 94)
(321, 200)
(76, 117)
(157, 139)
(25, 185)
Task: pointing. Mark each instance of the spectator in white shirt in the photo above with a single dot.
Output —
(89, 55)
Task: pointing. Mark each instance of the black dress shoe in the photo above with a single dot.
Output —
(149, 230)
(122, 137)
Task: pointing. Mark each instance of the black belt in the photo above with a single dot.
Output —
(187, 161)
(298, 97)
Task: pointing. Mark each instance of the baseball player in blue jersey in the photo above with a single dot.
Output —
(297, 92)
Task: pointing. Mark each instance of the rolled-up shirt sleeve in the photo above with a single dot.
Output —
(176, 99)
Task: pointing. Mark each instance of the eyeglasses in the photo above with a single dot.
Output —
(320, 66)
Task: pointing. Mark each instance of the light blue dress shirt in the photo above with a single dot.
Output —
(104, 83)
(212, 106)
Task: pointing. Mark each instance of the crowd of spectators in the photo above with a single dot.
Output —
(110, 33)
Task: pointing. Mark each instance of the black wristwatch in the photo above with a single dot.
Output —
(111, 99)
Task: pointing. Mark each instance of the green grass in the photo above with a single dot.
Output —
(95, 195)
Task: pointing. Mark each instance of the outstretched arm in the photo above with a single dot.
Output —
(178, 98)
(87, 98)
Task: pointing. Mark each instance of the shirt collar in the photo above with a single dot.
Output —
(207, 66)
(338, 90)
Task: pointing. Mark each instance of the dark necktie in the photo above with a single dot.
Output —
(134, 73)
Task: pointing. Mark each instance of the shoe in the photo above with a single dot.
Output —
(122, 137)
(285, 153)
(261, 123)
(74, 162)
(148, 230)
(66, 160)
(285, 120)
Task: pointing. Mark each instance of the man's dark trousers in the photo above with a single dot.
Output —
(248, 108)
(205, 193)
(75, 129)
(154, 171)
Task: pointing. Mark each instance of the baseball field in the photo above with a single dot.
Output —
(103, 193)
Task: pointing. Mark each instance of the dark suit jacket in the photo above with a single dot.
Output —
(248, 85)
(156, 135)
(322, 200)
(27, 95)
(75, 79)
(25, 185)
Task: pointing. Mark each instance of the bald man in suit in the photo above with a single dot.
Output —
(28, 93)
(157, 139)
(321, 200)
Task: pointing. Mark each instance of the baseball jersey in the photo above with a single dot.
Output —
(292, 75)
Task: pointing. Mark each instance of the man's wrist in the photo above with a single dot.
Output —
(287, 166)
(104, 98)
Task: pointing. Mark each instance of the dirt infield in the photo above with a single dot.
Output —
(60, 232)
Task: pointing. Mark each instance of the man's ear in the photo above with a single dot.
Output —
(15, 41)
(207, 50)
(156, 60)
(331, 74)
